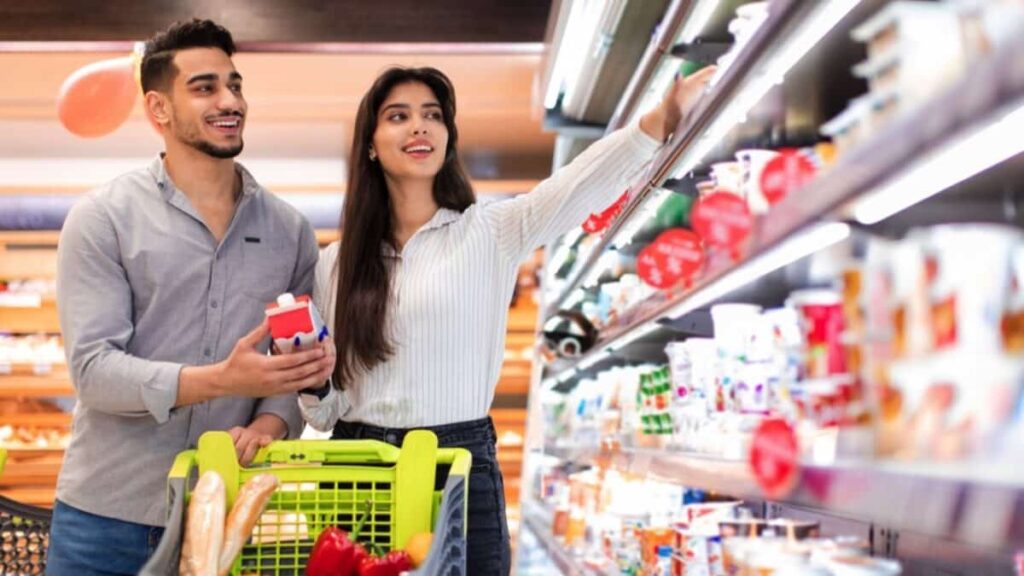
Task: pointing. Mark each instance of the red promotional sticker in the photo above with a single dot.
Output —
(651, 270)
(722, 219)
(679, 252)
(598, 222)
(786, 172)
(774, 458)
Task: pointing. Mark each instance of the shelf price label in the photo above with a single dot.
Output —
(786, 172)
(774, 458)
(598, 222)
(723, 220)
(675, 255)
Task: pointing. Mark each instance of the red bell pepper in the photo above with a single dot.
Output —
(393, 564)
(335, 554)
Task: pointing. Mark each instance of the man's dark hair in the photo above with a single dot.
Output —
(158, 70)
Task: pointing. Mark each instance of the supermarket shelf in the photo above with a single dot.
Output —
(29, 237)
(538, 519)
(979, 503)
(37, 419)
(781, 14)
(43, 497)
(22, 453)
(51, 386)
(31, 320)
(29, 263)
(987, 91)
(994, 85)
(30, 473)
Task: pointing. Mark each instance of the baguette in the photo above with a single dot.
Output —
(204, 527)
(249, 505)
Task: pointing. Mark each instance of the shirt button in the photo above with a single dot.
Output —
(207, 352)
(213, 304)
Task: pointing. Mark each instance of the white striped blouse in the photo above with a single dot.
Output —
(451, 289)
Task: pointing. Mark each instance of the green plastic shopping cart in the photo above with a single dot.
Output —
(330, 483)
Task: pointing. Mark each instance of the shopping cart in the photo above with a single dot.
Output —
(24, 535)
(327, 483)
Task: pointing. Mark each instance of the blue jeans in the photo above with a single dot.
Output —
(488, 551)
(84, 544)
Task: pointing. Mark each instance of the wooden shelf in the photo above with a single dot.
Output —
(29, 263)
(31, 320)
(42, 497)
(29, 237)
(30, 473)
(53, 386)
(37, 419)
(15, 453)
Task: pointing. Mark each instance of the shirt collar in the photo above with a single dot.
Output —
(440, 219)
(163, 181)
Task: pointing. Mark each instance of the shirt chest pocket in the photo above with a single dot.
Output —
(266, 269)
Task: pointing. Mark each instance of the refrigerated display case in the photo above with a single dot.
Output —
(847, 350)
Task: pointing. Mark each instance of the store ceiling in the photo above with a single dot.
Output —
(302, 100)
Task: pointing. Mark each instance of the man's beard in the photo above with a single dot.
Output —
(211, 150)
(191, 137)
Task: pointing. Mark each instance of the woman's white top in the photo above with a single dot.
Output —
(451, 289)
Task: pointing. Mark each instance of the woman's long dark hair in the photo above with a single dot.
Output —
(364, 277)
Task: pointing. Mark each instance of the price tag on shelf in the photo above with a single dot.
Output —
(650, 270)
(773, 458)
(598, 222)
(786, 172)
(42, 368)
(722, 219)
(5, 368)
(679, 252)
(676, 254)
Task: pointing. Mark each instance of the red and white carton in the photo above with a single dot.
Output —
(295, 323)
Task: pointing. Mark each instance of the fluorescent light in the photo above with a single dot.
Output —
(572, 48)
(607, 261)
(816, 238)
(633, 336)
(786, 54)
(639, 219)
(592, 359)
(573, 299)
(698, 19)
(958, 159)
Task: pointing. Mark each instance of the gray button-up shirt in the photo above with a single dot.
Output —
(144, 289)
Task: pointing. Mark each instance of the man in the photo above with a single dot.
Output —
(162, 275)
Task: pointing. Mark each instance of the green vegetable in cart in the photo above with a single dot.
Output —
(392, 564)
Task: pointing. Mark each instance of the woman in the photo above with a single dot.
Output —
(418, 288)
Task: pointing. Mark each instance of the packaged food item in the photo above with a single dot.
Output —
(295, 323)
(733, 323)
(914, 49)
(752, 162)
(795, 529)
(821, 317)
(851, 127)
(728, 177)
(744, 527)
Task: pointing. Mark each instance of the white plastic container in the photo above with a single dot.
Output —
(915, 48)
(734, 323)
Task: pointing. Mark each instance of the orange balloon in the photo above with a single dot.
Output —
(98, 97)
